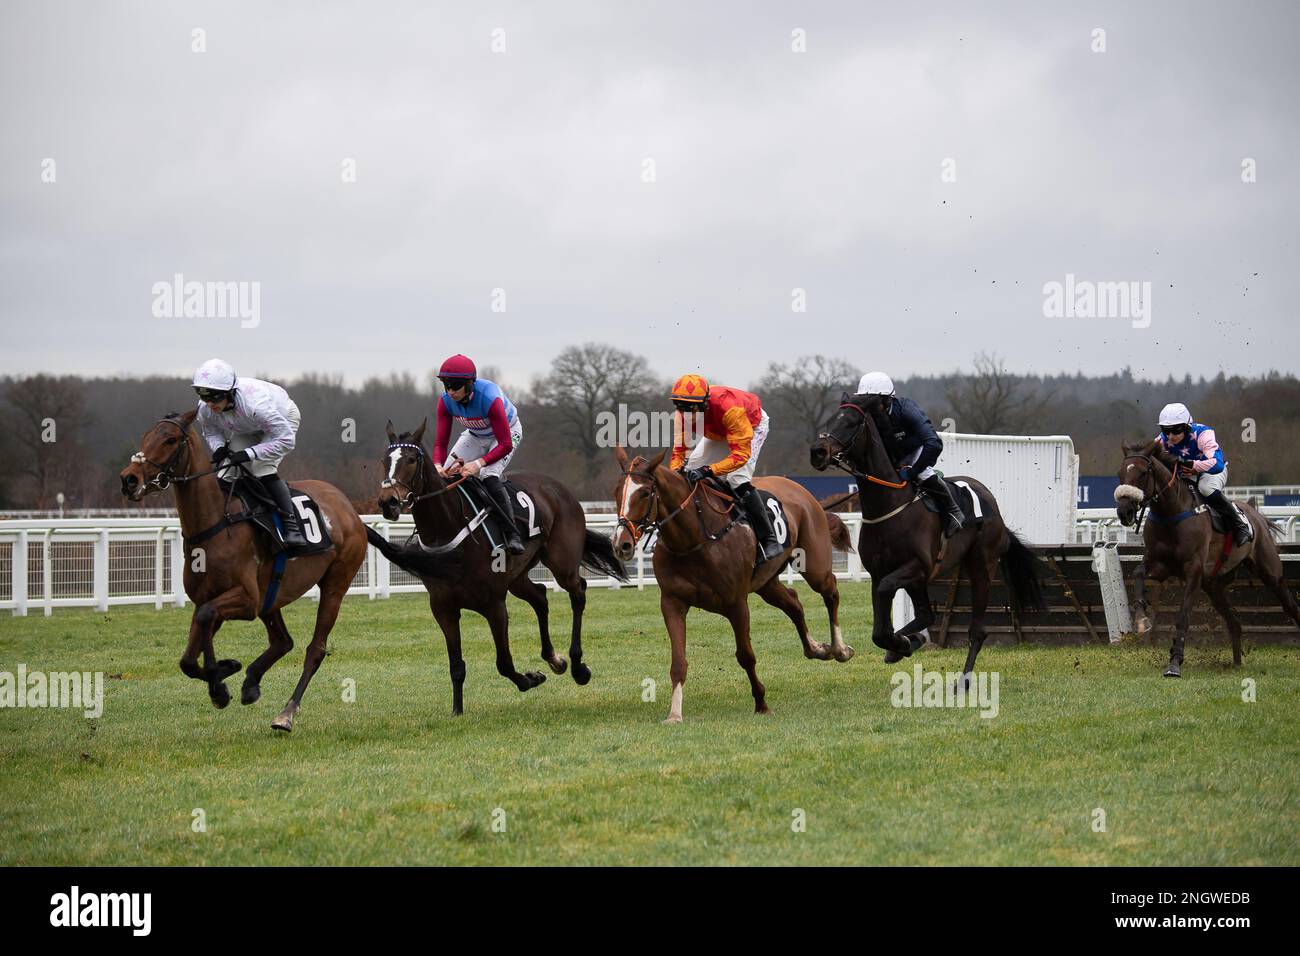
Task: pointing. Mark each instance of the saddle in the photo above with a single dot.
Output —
(1216, 519)
(262, 512)
(740, 516)
(973, 508)
(525, 510)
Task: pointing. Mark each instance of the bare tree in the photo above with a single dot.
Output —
(993, 401)
(45, 415)
(805, 393)
(588, 379)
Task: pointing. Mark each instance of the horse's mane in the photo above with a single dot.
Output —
(1154, 449)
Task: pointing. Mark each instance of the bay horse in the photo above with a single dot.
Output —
(461, 569)
(231, 581)
(1180, 542)
(902, 547)
(704, 559)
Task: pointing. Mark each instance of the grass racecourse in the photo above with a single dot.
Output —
(1186, 772)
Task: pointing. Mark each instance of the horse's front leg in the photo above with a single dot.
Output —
(1142, 619)
(1192, 583)
(208, 617)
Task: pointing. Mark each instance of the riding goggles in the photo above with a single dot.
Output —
(210, 395)
(454, 384)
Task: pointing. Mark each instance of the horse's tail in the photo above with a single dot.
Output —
(1020, 571)
(598, 555)
(1272, 524)
(410, 559)
(840, 539)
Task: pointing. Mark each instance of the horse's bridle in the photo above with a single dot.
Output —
(638, 528)
(166, 471)
(837, 459)
(413, 496)
(1150, 497)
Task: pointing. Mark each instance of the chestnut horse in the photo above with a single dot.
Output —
(901, 546)
(704, 559)
(230, 582)
(460, 569)
(1180, 542)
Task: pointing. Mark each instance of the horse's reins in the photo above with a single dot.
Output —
(1151, 497)
(838, 461)
(639, 528)
(412, 499)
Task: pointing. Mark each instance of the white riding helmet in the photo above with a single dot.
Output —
(216, 375)
(1175, 413)
(875, 383)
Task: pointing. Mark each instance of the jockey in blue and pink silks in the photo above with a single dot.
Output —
(1201, 462)
(492, 433)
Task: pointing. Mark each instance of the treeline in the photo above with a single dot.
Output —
(72, 435)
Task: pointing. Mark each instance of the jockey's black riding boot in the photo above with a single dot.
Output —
(953, 515)
(497, 489)
(1241, 531)
(279, 492)
(760, 519)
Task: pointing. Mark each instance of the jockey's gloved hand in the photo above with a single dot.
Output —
(905, 473)
(239, 457)
(220, 454)
(698, 474)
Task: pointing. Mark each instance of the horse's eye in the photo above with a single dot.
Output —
(170, 441)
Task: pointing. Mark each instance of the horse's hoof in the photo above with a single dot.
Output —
(282, 723)
(220, 696)
(534, 678)
(917, 642)
(228, 666)
(673, 719)
(250, 693)
(762, 709)
(845, 653)
(1142, 624)
(818, 651)
(892, 657)
(558, 664)
(1174, 670)
(581, 673)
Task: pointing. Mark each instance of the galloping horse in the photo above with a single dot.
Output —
(232, 581)
(901, 546)
(698, 563)
(461, 569)
(1181, 542)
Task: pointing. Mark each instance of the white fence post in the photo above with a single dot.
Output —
(18, 566)
(178, 569)
(158, 569)
(385, 568)
(101, 570)
(47, 573)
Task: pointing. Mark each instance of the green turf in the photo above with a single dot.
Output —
(1186, 772)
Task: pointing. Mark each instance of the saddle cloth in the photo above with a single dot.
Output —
(263, 513)
(973, 508)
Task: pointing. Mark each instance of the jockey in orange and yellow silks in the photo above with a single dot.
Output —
(734, 427)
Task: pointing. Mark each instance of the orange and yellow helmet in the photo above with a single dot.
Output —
(690, 388)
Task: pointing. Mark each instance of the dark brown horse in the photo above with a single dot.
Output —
(461, 569)
(1181, 543)
(704, 559)
(228, 574)
(901, 543)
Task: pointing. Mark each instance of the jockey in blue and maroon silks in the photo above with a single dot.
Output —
(1201, 462)
(492, 433)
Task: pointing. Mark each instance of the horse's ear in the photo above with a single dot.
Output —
(657, 460)
(418, 434)
(188, 418)
(846, 398)
(392, 436)
(621, 456)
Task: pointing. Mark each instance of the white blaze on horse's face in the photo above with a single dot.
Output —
(393, 458)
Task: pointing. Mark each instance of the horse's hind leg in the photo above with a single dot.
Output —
(1268, 568)
(448, 618)
(564, 556)
(331, 599)
(979, 573)
(739, 618)
(499, 621)
(828, 587)
(1217, 589)
(779, 596)
(526, 589)
(280, 643)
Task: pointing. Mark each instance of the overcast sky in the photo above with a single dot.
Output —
(525, 170)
